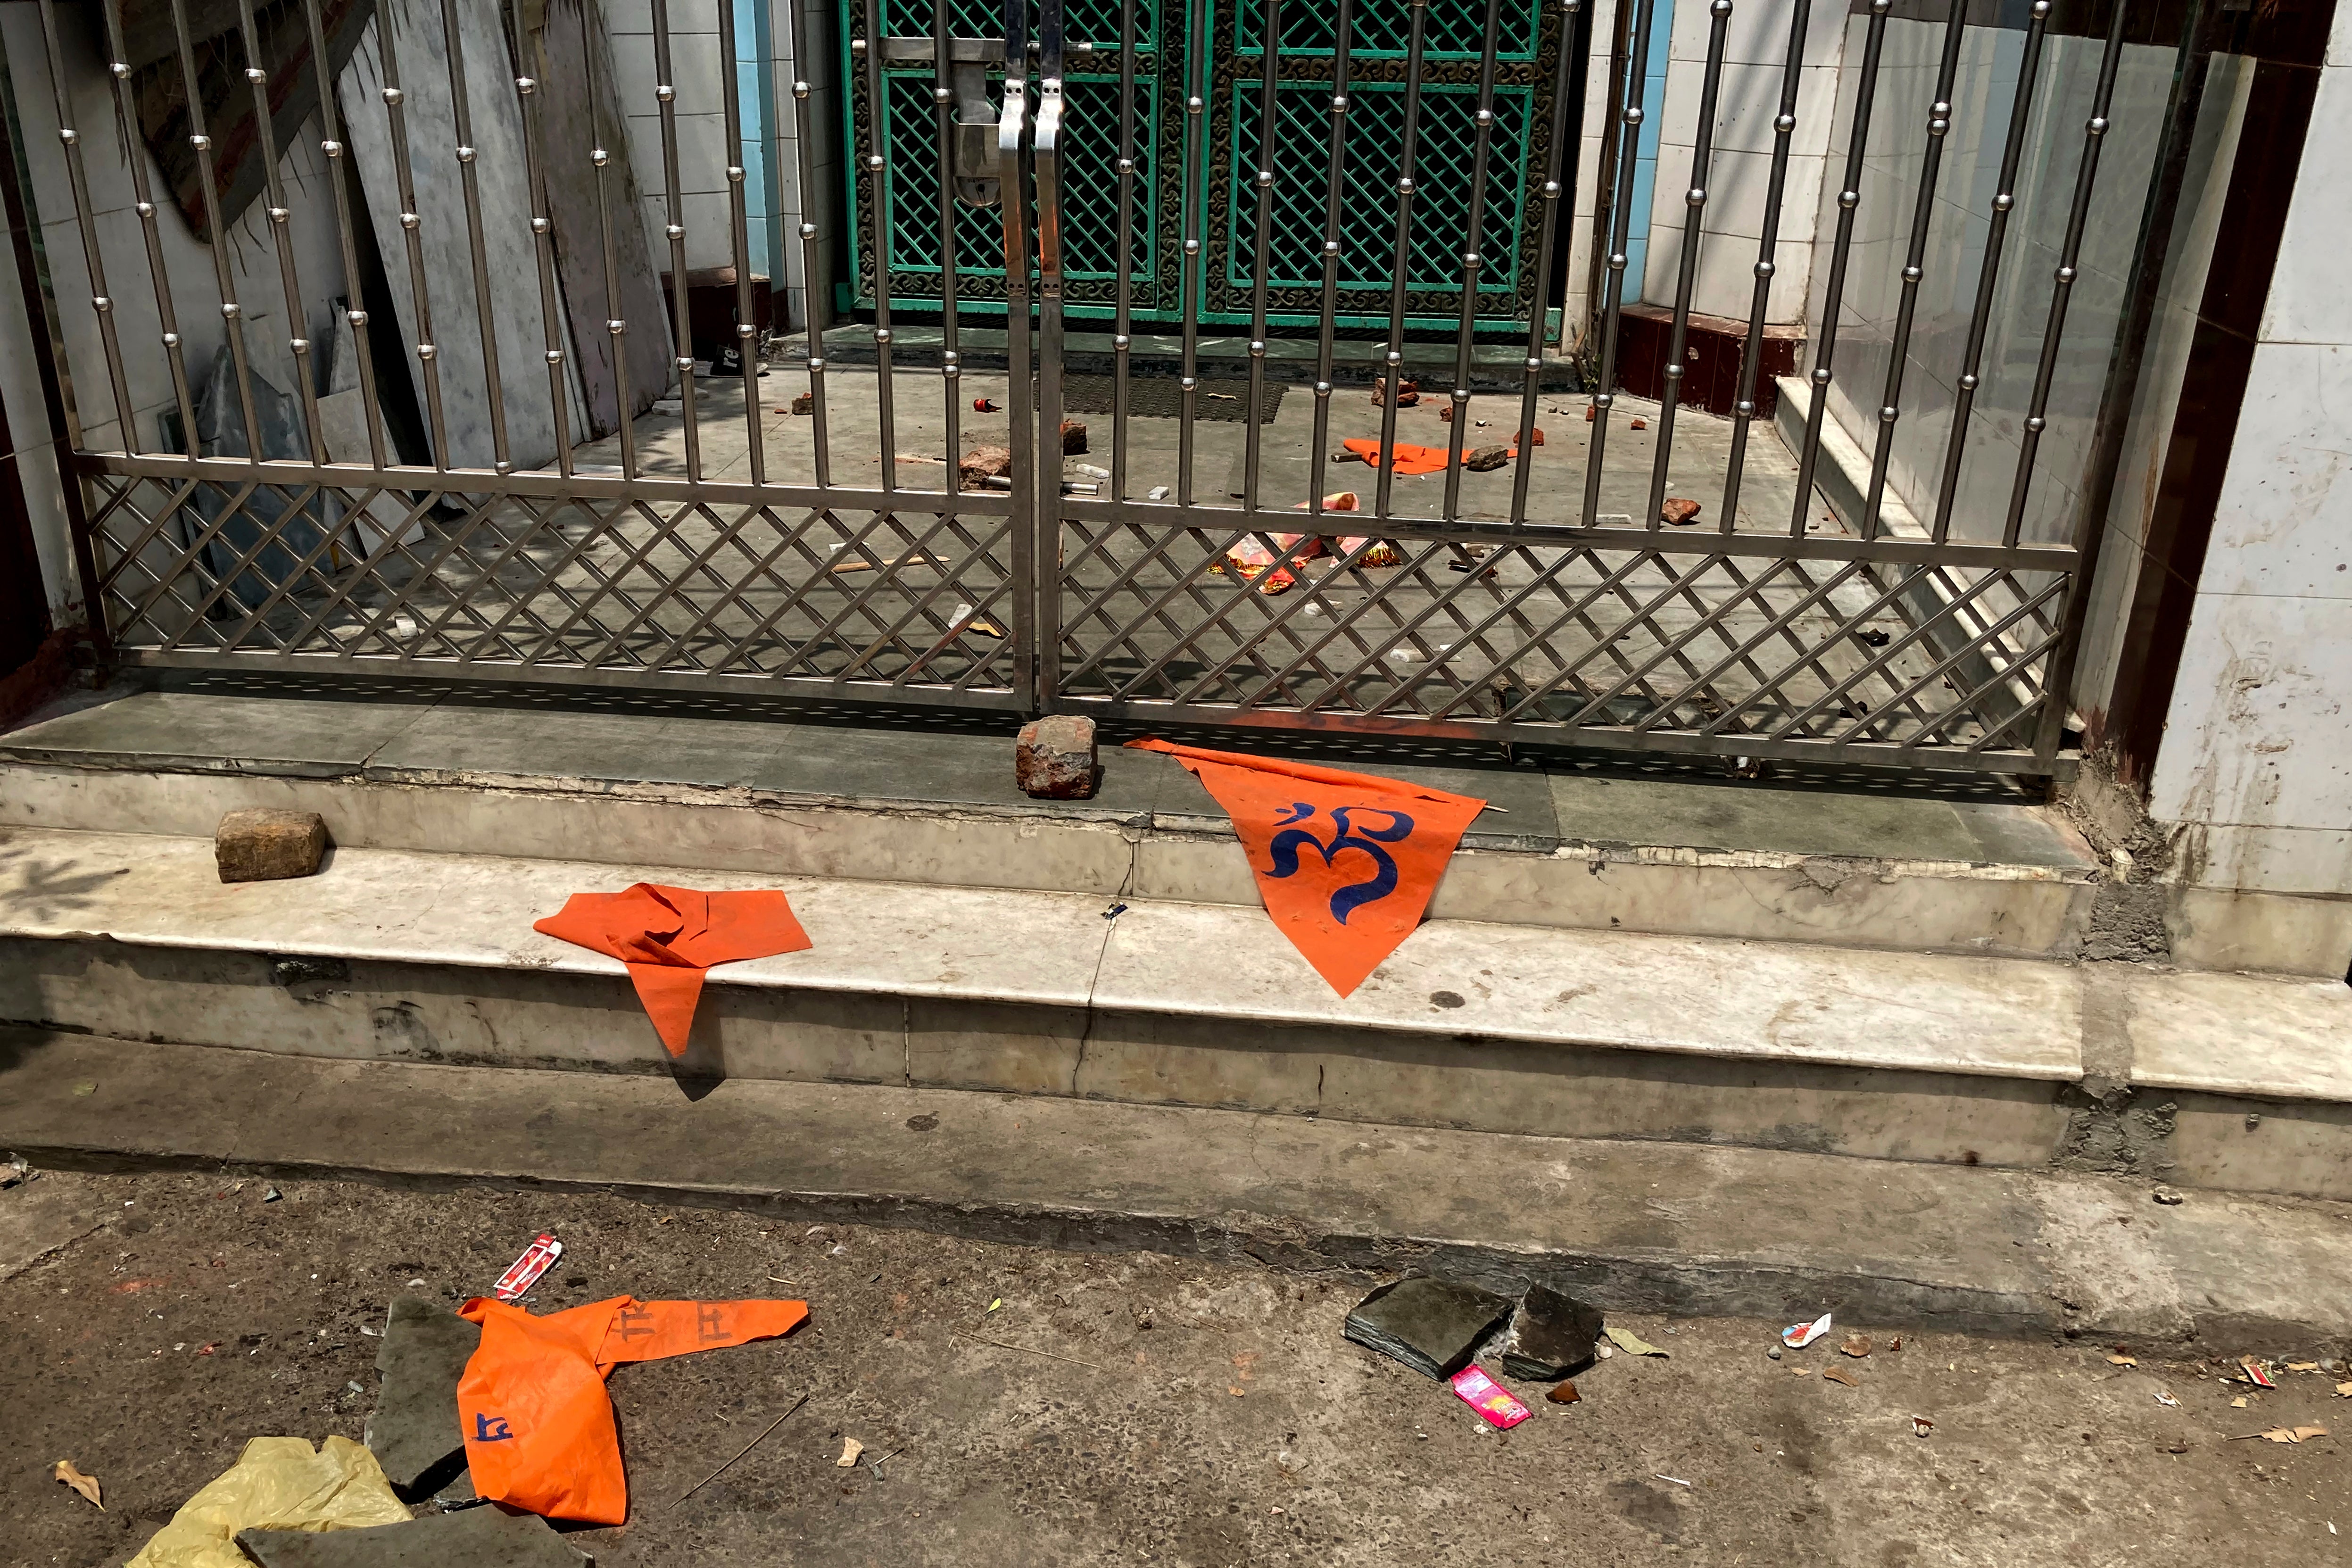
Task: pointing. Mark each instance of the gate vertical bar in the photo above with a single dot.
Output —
(1784, 128)
(1629, 138)
(1320, 453)
(1032, 656)
(1482, 141)
(1416, 40)
(1046, 159)
(1556, 177)
(1849, 199)
(1269, 78)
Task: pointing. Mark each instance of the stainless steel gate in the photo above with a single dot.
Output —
(1224, 559)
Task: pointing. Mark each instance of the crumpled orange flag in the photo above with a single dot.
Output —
(1346, 862)
(669, 936)
(538, 1424)
(1406, 457)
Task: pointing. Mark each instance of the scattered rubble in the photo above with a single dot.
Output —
(1679, 511)
(1408, 392)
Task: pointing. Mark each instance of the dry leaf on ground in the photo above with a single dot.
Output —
(1857, 1347)
(850, 1449)
(71, 1474)
(1840, 1375)
(2119, 1358)
(2344, 1391)
(1565, 1393)
(1629, 1342)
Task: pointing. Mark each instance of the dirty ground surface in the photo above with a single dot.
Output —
(1218, 1417)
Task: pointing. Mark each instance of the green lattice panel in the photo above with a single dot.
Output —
(1384, 28)
(1088, 20)
(1089, 203)
(1375, 150)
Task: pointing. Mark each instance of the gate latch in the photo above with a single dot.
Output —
(976, 182)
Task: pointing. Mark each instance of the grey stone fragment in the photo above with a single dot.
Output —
(264, 844)
(1552, 1336)
(1433, 1326)
(415, 1433)
(1054, 759)
(485, 1537)
(1481, 459)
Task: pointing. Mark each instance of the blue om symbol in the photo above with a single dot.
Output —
(490, 1428)
(1355, 895)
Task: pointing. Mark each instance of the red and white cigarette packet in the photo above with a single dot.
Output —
(1488, 1398)
(524, 1271)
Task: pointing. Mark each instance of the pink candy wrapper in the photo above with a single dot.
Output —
(1488, 1398)
(524, 1271)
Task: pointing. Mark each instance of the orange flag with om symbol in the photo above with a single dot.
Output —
(539, 1428)
(1346, 862)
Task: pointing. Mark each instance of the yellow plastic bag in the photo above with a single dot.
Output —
(277, 1483)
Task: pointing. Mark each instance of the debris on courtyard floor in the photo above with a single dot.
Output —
(1797, 1336)
(72, 1476)
(277, 1483)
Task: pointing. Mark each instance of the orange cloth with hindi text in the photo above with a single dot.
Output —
(1346, 862)
(539, 1425)
(669, 936)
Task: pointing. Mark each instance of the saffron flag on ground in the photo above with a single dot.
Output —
(539, 1425)
(1346, 862)
(669, 936)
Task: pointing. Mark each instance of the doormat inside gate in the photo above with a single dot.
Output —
(1162, 397)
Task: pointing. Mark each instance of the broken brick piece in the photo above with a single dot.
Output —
(1408, 392)
(1074, 437)
(1485, 457)
(804, 404)
(264, 844)
(1054, 759)
(985, 463)
(1532, 438)
(1678, 510)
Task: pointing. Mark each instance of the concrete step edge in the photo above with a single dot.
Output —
(1639, 1227)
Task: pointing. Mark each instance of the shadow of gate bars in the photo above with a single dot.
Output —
(424, 403)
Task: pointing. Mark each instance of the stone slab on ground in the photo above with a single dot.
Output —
(1629, 1225)
(1432, 1326)
(415, 1432)
(1552, 1336)
(484, 1537)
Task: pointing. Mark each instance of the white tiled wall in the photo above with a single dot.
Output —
(1737, 176)
(2257, 750)
(765, 72)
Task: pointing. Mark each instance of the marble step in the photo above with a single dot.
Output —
(1563, 845)
(400, 955)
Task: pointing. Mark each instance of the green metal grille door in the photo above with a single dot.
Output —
(1235, 52)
